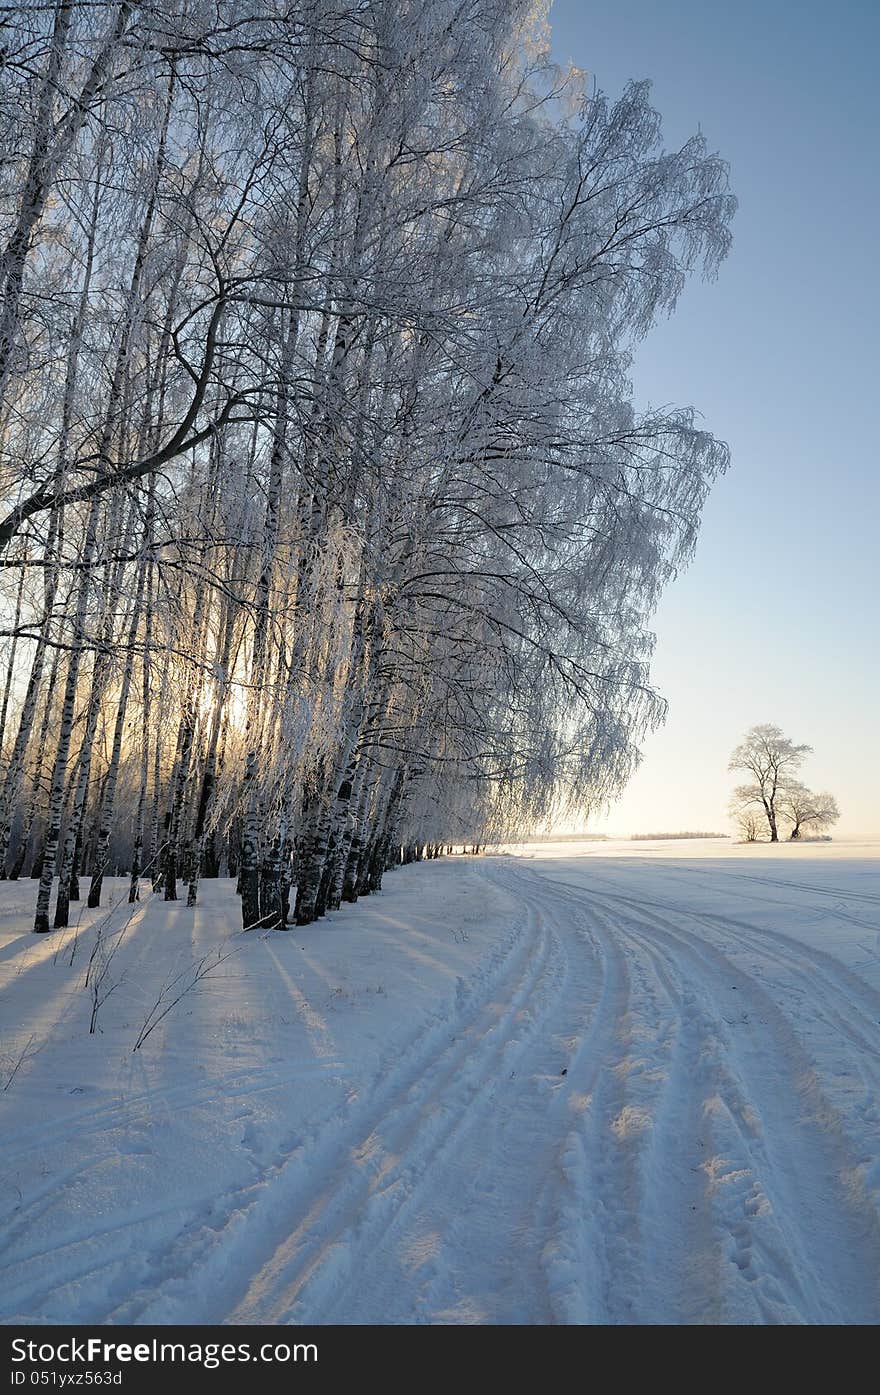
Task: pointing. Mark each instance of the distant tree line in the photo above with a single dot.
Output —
(659, 837)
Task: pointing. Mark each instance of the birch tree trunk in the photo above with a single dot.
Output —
(108, 797)
(59, 768)
(94, 706)
(10, 667)
(12, 783)
(209, 775)
(137, 855)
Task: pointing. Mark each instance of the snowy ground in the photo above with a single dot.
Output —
(615, 1083)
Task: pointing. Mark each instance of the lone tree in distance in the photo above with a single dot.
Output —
(772, 759)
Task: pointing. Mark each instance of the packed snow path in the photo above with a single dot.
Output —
(646, 1102)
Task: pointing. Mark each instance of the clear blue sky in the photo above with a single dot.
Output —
(776, 620)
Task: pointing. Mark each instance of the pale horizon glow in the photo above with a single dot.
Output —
(691, 849)
(775, 620)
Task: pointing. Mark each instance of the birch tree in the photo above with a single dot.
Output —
(331, 531)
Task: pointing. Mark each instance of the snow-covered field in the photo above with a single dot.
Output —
(604, 1083)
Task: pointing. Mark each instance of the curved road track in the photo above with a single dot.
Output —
(640, 1111)
(626, 1124)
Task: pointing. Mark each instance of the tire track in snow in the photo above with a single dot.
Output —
(607, 1265)
(474, 1241)
(417, 1141)
(533, 1222)
(313, 1197)
(845, 1002)
(785, 884)
(805, 1223)
(786, 1181)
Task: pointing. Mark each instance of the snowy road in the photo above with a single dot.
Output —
(625, 1128)
(655, 1097)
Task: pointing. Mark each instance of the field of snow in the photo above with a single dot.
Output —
(604, 1083)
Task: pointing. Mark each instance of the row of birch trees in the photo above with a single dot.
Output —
(329, 531)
